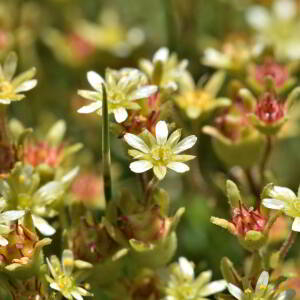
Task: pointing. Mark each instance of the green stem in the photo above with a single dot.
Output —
(150, 189)
(253, 186)
(288, 243)
(106, 149)
(170, 24)
(266, 158)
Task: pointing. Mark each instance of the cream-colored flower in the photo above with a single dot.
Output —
(11, 88)
(123, 88)
(159, 152)
(64, 279)
(166, 71)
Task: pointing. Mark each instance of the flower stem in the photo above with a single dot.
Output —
(252, 184)
(7, 153)
(266, 158)
(106, 149)
(288, 243)
(150, 189)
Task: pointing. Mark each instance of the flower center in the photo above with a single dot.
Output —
(6, 87)
(65, 283)
(161, 154)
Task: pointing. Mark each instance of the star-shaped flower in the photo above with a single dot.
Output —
(123, 88)
(11, 88)
(159, 152)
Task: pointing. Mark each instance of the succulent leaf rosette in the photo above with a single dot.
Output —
(160, 152)
(167, 72)
(22, 190)
(285, 200)
(202, 102)
(263, 290)
(179, 282)
(11, 89)
(123, 88)
(64, 277)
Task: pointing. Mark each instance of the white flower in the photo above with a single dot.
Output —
(159, 152)
(5, 218)
(63, 279)
(284, 199)
(123, 88)
(11, 88)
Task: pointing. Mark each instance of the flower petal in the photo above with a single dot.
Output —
(296, 224)
(213, 288)
(186, 143)
(3, 241)
(95, 80)
(54, 286)
(161, 132)
(161, 54)
(11, 215)
(178, 167)
(286, 295)
(76, 295)
(186, 267)
(120, 114)
(282, 193)
(273, 203)
(144, 92)
(87, 109)
(68, 262)
(26, 86)
(136, 142)
(91, 95)
(140, 166)
(43, 226)
(5, 101)
(160, 172)
(174, 138)
(235, 291)
(258, 17)
(262, 281)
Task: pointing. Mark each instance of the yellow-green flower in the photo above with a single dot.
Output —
(123, 88)
(263, 290)
(63, 277)
(201, 101)
(167, 71)
(159, 152)
(179, 282)
(11, 88)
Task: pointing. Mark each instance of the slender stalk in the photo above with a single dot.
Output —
(150, 189)
(106, 149)
(288, 243)
(266, 158)
(252, 184)
(170, 23)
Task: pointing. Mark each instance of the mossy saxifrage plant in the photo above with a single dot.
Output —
(125, 250)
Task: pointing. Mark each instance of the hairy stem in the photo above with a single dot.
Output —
(152, 184)
(266, 157)
(288, 243)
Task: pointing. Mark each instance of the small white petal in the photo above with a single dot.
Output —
(185, 144)
(140, 166)
(87, 109)
(3, 241)
(212, 57)
(178, 167)
(286, 295)
(95, 80)
(161, 132)
(54, 286)
(160, 172)
(136, 142)
(262, 281)
(161, 54)
(76, 295)
(273, 203)
(5, 101)
(91, 95)
(68, 262)
(43, 226)
(285, 9)
(213, 288)
(120, 114)
(235, 291)
(186, 267)
(282, 192)
(144, 92)
(296, 224)
(258, 17)
(26, 86)
(11, 215)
